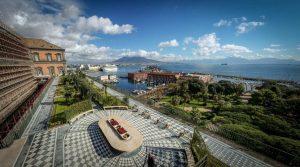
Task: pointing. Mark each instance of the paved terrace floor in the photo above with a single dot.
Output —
(83, 144)
(224, 152)
(39, 121)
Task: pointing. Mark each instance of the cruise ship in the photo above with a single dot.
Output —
(110, 68)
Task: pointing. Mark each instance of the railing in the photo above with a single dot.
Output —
(22, 116)
(8, 77)
(12, 69)
(13, 84)
(202, 155)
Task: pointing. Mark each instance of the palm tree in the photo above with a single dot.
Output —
(67, 95)
(105, 85)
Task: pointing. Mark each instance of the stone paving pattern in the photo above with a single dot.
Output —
(83, 144)
(39, 122)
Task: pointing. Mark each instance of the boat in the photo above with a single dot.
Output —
(224, 64)
(110, 68)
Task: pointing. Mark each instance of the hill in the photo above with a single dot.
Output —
(134, 60)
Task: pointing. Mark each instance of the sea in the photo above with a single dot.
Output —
(289, 72)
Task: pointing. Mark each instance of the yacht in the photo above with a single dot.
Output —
(110, 68)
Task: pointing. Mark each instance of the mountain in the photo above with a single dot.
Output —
(134, 60)
(237, 60)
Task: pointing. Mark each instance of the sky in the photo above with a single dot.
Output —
(166, 30)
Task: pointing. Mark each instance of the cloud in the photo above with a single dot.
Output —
(62, 23)
(272, 50)
(235, 49)
(171, 57)
(208, 46)
(105, 25)
(171, 43)
(141, 53)
(239, 19)
(188, 40)
(274, 45)
(222, 22)
(247, 26)
(242, 24)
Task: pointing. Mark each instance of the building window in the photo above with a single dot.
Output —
(51, 71)
(58, 57)
(60, 70)
(49, 57)
(36, 57)
(38, 71)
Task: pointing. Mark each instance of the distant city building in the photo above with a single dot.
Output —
(108, 78)
(48, 58)
(93, 67)
(163, 77)
(17, 81)
(83, 67)
(138, 76)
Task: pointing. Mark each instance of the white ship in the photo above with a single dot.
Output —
(110, 68)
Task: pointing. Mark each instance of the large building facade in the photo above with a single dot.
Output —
(48, 59)
(17, 81)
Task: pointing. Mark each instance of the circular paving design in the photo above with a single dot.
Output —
(114, 139)
(86, 144)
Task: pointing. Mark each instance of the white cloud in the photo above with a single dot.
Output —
(222, 22)
(242, 24)
(188, 40)
(271, 50)
(247, 26)
(171, 57)
(171, 43)
(105, 25)
(208, 46)
(274, 45)
(235, 49)
(239, 19)
(141, 53)
(63, 25)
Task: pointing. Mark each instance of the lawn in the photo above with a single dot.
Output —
(60, 105)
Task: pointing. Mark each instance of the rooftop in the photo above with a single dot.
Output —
(33, 43)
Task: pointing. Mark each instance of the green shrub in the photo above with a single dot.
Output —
(236, 117)
(78, 108)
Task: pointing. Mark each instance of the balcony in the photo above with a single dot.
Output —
(49, 62)
(12, 69)
(7, 77)
(13, 83)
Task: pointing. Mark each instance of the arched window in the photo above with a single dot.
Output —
(49, 56)
(60, 70)
(36, 56)
(58, 57)
(51, 70)
(38, 71)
